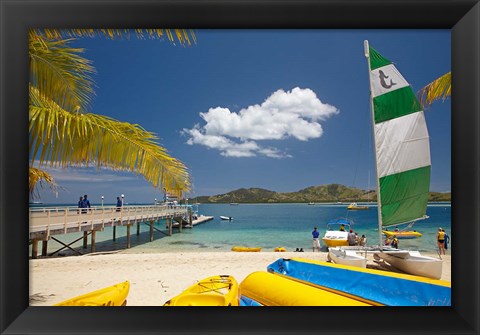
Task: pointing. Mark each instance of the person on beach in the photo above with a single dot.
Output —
(363, 241)
(395, 242)
(441, 241)
(316, 242)
(447, 240)
(351, 238)
(119, 204)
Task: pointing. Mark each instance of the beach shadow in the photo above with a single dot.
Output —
(39, 298)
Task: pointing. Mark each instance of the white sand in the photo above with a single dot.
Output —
(154, 277)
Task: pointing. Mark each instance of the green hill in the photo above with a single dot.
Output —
(322, 193)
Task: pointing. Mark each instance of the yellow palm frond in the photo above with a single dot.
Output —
(439, 88)
(62, 138)
(183, 36)
(59, 72)
(38, 177)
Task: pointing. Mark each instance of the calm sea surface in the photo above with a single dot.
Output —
(261, 225)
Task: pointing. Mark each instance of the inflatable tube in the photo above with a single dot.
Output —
(372, 286)
(271, 290)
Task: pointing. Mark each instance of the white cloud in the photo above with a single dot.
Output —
(292, 114)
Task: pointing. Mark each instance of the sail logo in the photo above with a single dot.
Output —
(384, 84)
(387, 79)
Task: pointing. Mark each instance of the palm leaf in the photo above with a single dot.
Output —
(59, 72)
(62, 138)
(439, 88)
(39, 177)
(182, 36)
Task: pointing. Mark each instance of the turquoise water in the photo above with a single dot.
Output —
(262, 225)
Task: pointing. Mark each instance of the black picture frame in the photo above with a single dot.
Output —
(462, 17)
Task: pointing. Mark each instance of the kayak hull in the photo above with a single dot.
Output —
(115, 295)
(221, 290)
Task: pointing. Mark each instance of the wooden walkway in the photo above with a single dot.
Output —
(49, 221)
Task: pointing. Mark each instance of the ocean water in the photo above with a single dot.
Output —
(261, 225)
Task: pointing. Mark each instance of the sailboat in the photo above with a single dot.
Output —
(402, 157)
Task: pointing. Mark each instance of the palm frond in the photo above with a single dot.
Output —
(39, 177)
(60, 72)
(439, 88)
(62, 138)
(182, 36)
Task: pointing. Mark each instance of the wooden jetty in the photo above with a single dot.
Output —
(46, 222)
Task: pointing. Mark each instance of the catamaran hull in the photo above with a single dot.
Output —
(346, 257)
(415, 264)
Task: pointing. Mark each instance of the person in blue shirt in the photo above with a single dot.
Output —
(80, 204)
(119, 204)
(316, 242)
(86, 204)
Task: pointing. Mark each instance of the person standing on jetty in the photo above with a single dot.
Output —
(119, 204)
(316, 242)
(80, 204)
(85, 204)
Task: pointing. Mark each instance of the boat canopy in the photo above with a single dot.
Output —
(336, 223)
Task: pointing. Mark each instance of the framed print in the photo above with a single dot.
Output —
(220, 138)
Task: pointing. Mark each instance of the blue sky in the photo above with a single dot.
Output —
(212, 106)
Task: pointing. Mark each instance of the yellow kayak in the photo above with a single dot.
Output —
(115, 295)
(246, 249)
(212, 291)
(402, 234)
(269, 289)
(280, 249)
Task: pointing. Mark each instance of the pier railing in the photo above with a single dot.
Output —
(62, 220)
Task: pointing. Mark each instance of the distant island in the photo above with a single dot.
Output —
(315, 194)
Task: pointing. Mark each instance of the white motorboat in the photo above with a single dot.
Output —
(229, 218)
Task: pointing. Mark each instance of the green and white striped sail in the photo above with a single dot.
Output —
(402, 145)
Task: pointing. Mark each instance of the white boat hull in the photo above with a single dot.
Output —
(346, 257)
(413, 263)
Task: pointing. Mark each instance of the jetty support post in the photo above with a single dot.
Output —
(151, 231)
(138, 228)
(114, 231)
(128, 236)
(190, 217)
(44, 247)
(85, 239)
(92, 247)
(170, 226)
(34, 249)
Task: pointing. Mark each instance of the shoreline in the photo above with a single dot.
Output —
(154, 277)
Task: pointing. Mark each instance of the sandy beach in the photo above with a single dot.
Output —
(154, 277)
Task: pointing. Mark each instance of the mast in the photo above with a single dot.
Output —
(379, 206)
